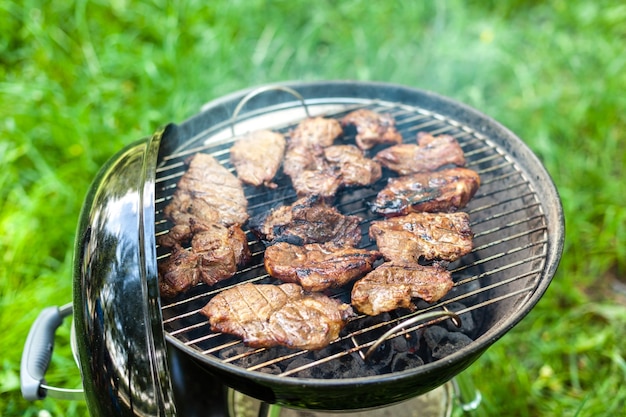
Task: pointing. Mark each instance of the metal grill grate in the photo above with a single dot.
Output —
(503, 270)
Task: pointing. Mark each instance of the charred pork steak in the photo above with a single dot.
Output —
(307, 220)
(317, 267)
(441, 191)
(372, 128)
(304, 159)
(353, 168)
(220, 251)
(266, 315)
(215, 254)
(392, 285)
(257, 157)
(178, 272)
(207, 193)
(432, 236)
(430, 154)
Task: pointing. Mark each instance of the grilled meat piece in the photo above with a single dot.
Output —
(216, 252)
(354, 168)
(317, 267)
(323, 182)
(220, 250)
(372, 128)
(184, 210)
(257, 157)
(272, 315)
(443, 236)
(299, 158)
(336, 166)
(315, 132)
(308, 220)
(211, 183)
(179, 272)
(207, 193)
(431, 153)
(304, 161)
(446, 191)
(391, 286)
(177, 235)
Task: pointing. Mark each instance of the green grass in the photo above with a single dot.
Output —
(79, 80)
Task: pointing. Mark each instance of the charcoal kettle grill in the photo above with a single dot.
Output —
(141, 354)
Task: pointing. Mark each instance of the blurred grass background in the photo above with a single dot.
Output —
(80, 79)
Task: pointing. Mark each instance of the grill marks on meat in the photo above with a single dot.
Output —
(257, 157)
(317, 267)
(443, 236)
(430, 154)
(372, 128)
(307, 220)
(323, 182)
(441, 191)
(272, 315)
(337, 166)
(391, 286)
(418, 233)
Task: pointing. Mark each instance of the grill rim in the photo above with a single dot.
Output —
(530, 165)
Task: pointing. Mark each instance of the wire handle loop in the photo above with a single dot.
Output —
(456, 320)
(261, 90)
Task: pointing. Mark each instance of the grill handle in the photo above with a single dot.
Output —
(37, 354)
(260, 90)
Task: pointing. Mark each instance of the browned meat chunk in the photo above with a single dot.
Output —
(306, 145)
(300, 158)
(304, 159)
(184, 210)
(216, 252)
(372, 128)
(392, 286)
(272, 315)
(178, 234)
(443, 236)
(257, 157)
(308, 220)
(432, 153)
(212, 184)
(336, 166)
(323, 182)
(315, 132)
(220, 250)
(317, 267)
(179, 272)
(354, 168)
(447, 191)
(206, 193)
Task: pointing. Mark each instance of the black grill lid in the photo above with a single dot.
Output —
(117, 312)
